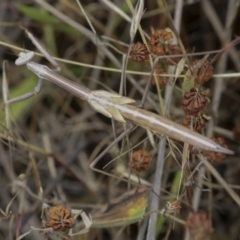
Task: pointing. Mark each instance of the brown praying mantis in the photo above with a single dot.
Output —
(116, 107)
(112, 105)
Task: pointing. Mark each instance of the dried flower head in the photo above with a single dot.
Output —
(202, 71)
(194, 122)
(199, 226)
(162, 81)
(236, 132)
(140, 161)
(139, 52)
(160, 42)
(174, 50)
(216, 156)
(60, 218)
(194, 101)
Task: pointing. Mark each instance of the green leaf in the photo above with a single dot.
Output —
(126, 209)
(175, 185)
(37, 14)
(179, 68)
(42, 16)
(50, 39)
(174, 191)
(188, 82)
(17, 109)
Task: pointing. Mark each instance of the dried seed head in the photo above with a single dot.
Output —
(174, 50)
(140, 161)
(216, 156)
(162, 81)
(139, 52)
(236, 132)
(60, 218)
(160, 42)
(199, 226)
(194, 122)
(202, 71)
(194, 101)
